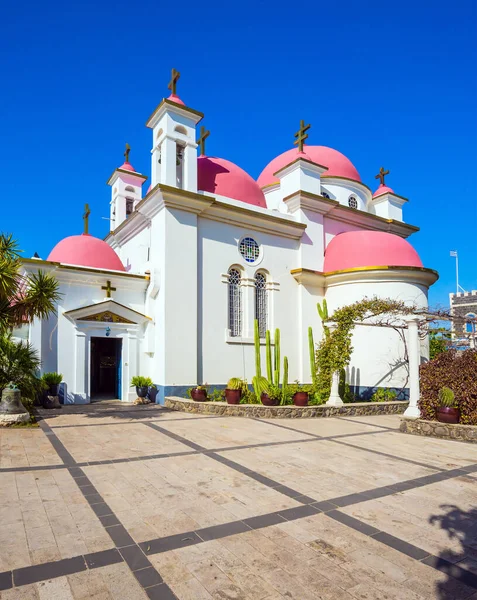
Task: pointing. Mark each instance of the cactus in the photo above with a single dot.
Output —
(269, 356)
(260, 385)
(285, 378)
(235, 384)
(311, 346)
(277, 358)
(258, 367)
(323, 310)
(447, 398)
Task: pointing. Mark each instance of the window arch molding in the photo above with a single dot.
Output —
(470, 327)
(261, 300)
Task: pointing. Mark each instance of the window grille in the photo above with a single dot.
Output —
(261, 303)
(249, 249)
(352, 202)
(235, 303)
(129, 206)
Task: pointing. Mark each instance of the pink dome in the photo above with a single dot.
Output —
(127, 166)
(354, 249)
(222, 177)
(337, 163)
(382, 189)
(86, 251)
(176, 99)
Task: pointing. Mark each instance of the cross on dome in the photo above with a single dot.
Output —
(381, 175)
(301, 135)
(86, 214)
(175, 75)
(126, 153)
(204, 134)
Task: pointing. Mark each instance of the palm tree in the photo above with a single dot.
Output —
(22, 297)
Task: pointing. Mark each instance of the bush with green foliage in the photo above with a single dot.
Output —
(19, 363)
(457, 371)
(439, 339)
(384, 395)
(52, 378)
(140, 381)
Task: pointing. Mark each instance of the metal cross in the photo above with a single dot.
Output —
(381, 175)
(86, 214)
(301, 135)
(108, 289)
(126, 154)
(201, 141)
(173, 82)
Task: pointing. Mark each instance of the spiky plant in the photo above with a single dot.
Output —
(285, 378)
(19, 363)
(235, 383)
(447, 398)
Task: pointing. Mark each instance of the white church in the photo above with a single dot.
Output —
(195, 257)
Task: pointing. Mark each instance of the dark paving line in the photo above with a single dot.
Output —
(335, 438)
(370, 424)
(133, 422)
(125, 546)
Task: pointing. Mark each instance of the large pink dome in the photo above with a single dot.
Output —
(86, 251)
(222, 177)
(337, 163)
(354, 249)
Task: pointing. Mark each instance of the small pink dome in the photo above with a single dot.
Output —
(382, 189)
(220, 176)
(86, 251)
(337, 163)
(127, 167)
(354, 249)
(176, 99)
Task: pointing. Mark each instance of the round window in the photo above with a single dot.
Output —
(352, 202)
(249, 249)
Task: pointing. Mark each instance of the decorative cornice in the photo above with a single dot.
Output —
(353, 181)
(110, 304)
(307, 163)
(57, 265)
(178, 108)
(124, 172)
(308, 277)
(401, 199)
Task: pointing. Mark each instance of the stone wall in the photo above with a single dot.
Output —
(284, 412)
(463, 433)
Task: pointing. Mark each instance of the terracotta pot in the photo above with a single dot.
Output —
(446, 414)
(198, 395)
(267, 401)
(300, 399)
(233, 396)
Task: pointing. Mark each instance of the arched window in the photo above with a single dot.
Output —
(470, 327)
(129, 207)
(261, 302)
(179, 165)
(352, 202)
(235, 303)
(129, 188)
(180, 129)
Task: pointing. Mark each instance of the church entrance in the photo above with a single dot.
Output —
(105, 368)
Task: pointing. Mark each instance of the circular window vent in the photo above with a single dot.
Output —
(249, 249)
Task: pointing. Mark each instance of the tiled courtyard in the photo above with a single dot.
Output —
(126, 502)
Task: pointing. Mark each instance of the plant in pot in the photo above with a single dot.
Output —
(199, 393)
(300, 394)
(448, 410)
(233, 391)
(270, 394)
(142, 385)
(52, 380)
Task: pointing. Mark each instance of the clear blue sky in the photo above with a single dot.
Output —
(390, 84)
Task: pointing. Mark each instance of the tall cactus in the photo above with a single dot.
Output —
(258, 366)
(323, 312)
(269, 356)
(285, 378)
(277, 357)
(311, 347)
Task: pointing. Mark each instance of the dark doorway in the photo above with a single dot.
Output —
(105, 368)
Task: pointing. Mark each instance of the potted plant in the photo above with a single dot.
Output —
(198, 393)
(271, 396)
(142, 385)
(300, 394)
(448, 411)
(233, 391)
(52, 380)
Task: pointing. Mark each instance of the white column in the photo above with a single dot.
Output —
(412, 411)
(130, 369)
(80, 390)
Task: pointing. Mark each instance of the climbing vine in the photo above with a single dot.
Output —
(335, 349)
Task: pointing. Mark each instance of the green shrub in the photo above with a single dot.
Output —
(383, 395)
(52, 378)
(140, 381)
(456, 370)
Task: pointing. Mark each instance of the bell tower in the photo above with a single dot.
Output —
(174, 149)
(126, 191)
